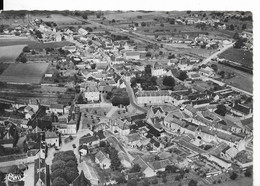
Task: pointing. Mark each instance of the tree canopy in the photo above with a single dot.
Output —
(60, 182)
(64, 165)
(135, 168)
(221, 110)
(169, 81)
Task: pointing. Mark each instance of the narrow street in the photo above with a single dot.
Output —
(132, 97)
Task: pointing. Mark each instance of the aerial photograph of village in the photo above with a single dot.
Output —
(126, 98)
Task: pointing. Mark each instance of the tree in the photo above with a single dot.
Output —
(221, 110)
(239, 43)
(155, 181)
(243, 26)
(248, 173)
(58, 173)
(135, 168)
(193, 183)
(26, 49)
(172, 22)
(143, 24)
(188, 12)
(113, 21)
(116, 101)
(115, 162)
(58, 181)
(2, 179)
(183, 75)
(59, 164)
(16, 138)
(146, 182)
(93, 66)
(80, 99)
(169, 81)
(170, 168)
(136, 24)
(23, 59)
(214, 67)
(233, 176)
(121, 179)
(71, 174)
(164, 179)
(148, 70)
(85, 16)
(231, 27)
(204, 15)
(131, 182)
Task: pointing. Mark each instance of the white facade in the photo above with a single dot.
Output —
(154, 99)
(158, 72)
(52, 141)
(92, 96)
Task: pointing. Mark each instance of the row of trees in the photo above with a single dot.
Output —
(64, 168)
(113, 155)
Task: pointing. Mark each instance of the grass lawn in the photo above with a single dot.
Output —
(30, 73)
(245, 181)
(38, 45)
(32, 44)
(3, 66)
(239, 56)
(57, 18)
(242, 80)
(10, 53)
(13, 41)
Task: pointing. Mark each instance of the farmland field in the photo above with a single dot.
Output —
(10, 53)
(239, 56)
(30, 73)
(241, 80)
(9, 41)
(57, 18)
(3, 66)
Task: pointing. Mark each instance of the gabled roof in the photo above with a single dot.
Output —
(81, 180)
(241, 108)
(157, 109)
(101, 156)
(39, 171)
(140, 161)
(160, 164)
(87, 139)
(49, 135)
(133, 137)
(56, 106)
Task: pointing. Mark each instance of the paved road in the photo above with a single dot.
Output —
(132, 97)
(208, 59)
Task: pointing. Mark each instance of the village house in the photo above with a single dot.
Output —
(160, 165)
(209, 72)
(241, 110)
(158, 70)
(153, 97)
(132, 55)
(89, 140)
(51, 139)
(56, 109)
(156, 112)
(102, 159)
(41, 173)
(81, 180)
(120, 126)
(145, 167)
(92, 93)
(124, 159)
